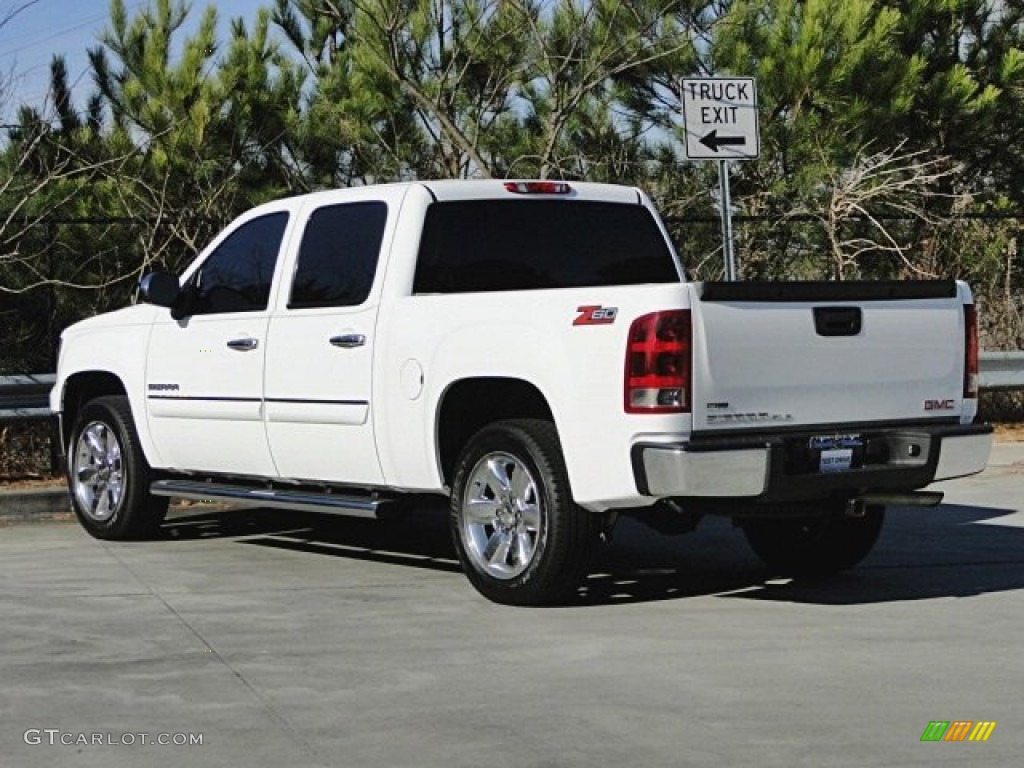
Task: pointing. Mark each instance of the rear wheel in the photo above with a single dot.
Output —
(519, 536)
(815, 546)
(108, 475)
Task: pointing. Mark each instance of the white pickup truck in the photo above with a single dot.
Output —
(533, 351)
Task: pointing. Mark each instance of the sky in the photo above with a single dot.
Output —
(29, 40)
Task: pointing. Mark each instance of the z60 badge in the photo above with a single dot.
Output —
(595, 315)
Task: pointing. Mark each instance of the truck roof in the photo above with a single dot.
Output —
(446, 190)
(458, 189)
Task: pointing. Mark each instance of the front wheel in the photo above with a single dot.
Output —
(108, 475)
(815, 546)
(519, 536)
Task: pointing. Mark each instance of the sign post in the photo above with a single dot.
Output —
(720, 115)
(725, 205)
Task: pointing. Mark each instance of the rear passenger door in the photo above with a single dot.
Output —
(318, 385)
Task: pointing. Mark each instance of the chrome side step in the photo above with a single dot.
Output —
(301, 501)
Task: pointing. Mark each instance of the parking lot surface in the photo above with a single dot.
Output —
(279, 639)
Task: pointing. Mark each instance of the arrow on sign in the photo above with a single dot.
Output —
(713, 141)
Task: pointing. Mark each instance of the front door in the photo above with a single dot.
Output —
(204, 375)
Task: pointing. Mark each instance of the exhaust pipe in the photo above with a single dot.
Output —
(895, 498)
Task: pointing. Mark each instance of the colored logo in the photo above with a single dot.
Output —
(593, 314)
(958, 730)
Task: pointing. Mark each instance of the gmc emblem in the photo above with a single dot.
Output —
(939, 405)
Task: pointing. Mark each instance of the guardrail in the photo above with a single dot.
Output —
(1002, 370)
(26, 397)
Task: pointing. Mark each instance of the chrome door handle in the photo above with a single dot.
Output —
(348, 340)
(244, 345)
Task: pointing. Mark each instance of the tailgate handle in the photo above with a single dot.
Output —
(837, 321)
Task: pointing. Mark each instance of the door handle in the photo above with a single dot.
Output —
(244, 345)
(348, 340)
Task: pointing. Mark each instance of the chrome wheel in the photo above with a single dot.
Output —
(517, 532)
(97, 474)
(502, 516)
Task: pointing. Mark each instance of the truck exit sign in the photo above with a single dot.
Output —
(721, 118)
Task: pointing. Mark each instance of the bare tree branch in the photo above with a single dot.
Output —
(893, 181)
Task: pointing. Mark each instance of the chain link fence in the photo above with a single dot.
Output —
(68, 268)
(62, 270)
(982, 249)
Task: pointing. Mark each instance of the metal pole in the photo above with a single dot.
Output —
(725, 202)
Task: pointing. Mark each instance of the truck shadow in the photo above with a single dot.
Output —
(418, 540)
(952, 551)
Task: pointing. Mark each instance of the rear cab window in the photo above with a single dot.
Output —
(507, 245)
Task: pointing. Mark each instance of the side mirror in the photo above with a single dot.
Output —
(160, 288)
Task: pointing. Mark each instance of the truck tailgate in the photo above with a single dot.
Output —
(785, 355)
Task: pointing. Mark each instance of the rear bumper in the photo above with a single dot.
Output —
(779, 467)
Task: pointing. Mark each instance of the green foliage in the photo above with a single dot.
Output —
(970, 94)
(184, 129)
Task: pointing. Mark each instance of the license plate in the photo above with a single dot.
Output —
(836, 460)
(837, 453)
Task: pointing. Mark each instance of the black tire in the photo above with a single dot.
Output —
(815, 546)
(531, 546)
(108, 476)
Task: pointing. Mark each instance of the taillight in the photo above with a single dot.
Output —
(538, 187)
(658, 363)
(970, 351)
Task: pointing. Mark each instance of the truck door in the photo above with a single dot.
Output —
(318, 387)
(204, 373)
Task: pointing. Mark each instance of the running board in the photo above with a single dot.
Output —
(300, 501)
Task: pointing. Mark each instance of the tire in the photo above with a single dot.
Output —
(815, 546)
(108, 476)
(519, 536)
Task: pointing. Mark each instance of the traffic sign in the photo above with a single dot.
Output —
(720, 114)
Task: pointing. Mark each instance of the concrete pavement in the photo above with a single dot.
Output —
(284, 639)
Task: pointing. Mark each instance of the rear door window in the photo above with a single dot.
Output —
(505, 245)
(338, 256)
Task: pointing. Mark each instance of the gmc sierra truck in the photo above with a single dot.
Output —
(533, 351)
